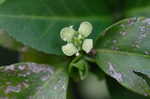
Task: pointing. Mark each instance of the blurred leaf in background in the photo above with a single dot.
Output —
(38, 23)
(137, 8)
(94, 88)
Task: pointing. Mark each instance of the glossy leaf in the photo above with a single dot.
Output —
(34, 81)
(123, 50)
(37, 23)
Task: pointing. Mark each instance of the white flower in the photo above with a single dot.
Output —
(87, 45)
(76, 41)
(67, 33)
(69, 49)
(85, 29)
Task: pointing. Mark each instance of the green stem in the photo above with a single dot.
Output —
(92, 60)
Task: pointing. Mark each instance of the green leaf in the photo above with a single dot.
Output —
(137, 8)
(2, 1)
(129, 4)
(39, 25)
(30, 80)
(115, 88)
(27, 54)
(143, 11)
(123, 66)
(31, 55)
(123, 50)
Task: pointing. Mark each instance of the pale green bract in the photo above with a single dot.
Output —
(87, 45)
(85, 29)
(67, 33)
(69, 49)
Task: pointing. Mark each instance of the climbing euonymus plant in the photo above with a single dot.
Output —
(64, 39)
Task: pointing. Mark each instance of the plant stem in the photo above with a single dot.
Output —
(92, 60)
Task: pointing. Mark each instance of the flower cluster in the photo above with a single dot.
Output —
(77, 40)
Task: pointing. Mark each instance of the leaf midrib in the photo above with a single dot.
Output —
(122, 53)
(55, 17)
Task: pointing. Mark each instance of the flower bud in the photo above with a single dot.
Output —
(67, 33)
(85, 29)
(69, 49)
(87, 45)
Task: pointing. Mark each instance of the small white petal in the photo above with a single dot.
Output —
(87, 45)
(67, 33)
(69, 49)
(85, 29)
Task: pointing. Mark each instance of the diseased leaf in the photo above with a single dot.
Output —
(37, 23)
(123, 66)
(130, 35)
(123, 50)
(32, 81)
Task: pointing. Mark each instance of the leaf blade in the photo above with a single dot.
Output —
(122, 67)
(38, 26)
(24, 80)
(123, 49)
